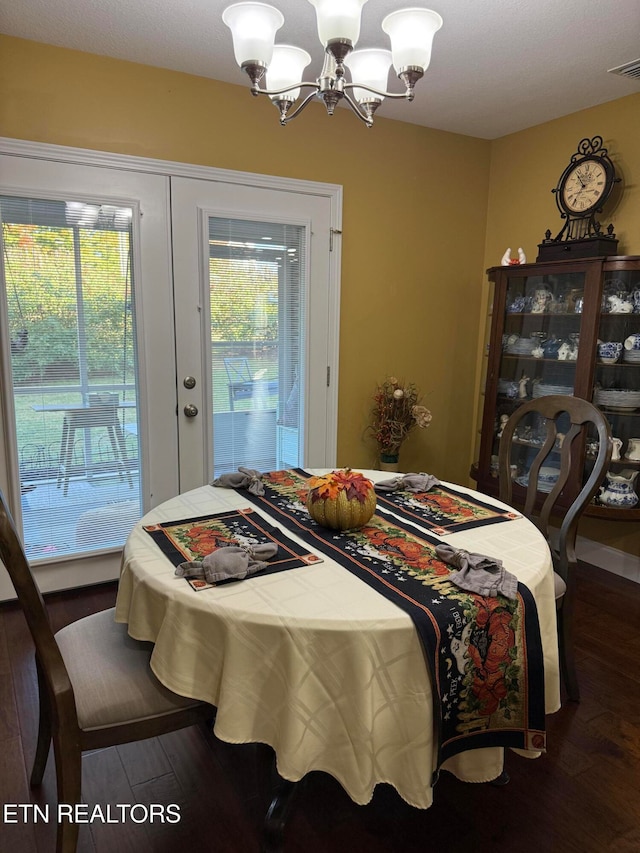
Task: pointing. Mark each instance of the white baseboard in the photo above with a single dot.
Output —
(611, 559)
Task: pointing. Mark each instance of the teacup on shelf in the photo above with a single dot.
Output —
(633, 342)
(609, 351)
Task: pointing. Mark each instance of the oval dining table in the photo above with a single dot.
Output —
(313, 662)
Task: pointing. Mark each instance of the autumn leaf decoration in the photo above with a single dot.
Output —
(341, 500)
(329, 486)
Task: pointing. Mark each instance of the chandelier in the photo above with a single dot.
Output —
(253, 28)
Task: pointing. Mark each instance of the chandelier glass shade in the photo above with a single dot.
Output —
(338, 19)
(285, 71)
(411, 32)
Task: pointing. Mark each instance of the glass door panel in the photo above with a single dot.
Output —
(257, 275)
(69, 299)
(540, 350)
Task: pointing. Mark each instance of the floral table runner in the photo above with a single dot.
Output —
(484, 654)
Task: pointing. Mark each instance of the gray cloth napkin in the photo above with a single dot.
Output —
(478, 573)
(231, 562)
(243, 478)
(408, 483)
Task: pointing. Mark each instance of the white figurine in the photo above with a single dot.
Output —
(506, 258)
(522, 258)
(522, 387)
(503, 423)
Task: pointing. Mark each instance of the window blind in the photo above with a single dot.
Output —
(257, 296)
(69, 299)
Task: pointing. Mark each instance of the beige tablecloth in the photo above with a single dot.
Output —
(313, 661)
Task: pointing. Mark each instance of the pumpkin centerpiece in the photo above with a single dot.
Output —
(341, 500)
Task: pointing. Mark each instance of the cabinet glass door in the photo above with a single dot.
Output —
(617, 384)
(540, 351)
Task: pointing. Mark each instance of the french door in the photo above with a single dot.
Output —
(251, 278)
(189, 327)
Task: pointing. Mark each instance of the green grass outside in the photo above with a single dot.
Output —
(39, 433)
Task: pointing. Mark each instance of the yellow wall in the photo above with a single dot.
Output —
(425, 212)
(414, 214)
(525, 167)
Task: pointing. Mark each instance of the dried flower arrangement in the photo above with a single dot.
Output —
(397, 410)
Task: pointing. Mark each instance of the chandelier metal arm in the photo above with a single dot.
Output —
(285, 119)
(406, 95)
(256, 90)
(367, 119)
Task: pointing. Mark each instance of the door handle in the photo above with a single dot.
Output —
(190, 410)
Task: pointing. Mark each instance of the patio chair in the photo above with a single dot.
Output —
(567, 423)
(242, 383)
(101, 412)
(95, 685)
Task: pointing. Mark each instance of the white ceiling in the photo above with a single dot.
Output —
(498, 66)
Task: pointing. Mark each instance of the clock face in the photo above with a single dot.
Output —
(584, 187)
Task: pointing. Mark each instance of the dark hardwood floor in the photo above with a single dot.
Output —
(579, 797)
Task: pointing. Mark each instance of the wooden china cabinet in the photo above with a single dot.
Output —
(546, 326)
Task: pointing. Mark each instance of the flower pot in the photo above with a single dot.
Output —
(389, 462)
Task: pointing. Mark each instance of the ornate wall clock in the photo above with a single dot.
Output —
(582, 191)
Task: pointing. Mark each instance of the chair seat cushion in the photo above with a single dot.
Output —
(559, 586)
(110, 673)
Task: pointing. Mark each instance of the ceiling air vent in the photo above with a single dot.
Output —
(629, 69)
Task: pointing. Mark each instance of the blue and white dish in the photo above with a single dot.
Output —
(633, 342)
(609, 352)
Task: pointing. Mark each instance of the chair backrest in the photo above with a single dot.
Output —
(238, 369)
(549, 435)
(103, 398)
(48, 654)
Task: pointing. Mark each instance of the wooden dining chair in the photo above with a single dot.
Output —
(95, 685)
(560, 426)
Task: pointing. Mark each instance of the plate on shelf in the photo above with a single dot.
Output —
(548, 474)
(542, 389)
(523, 346)
(625, 398)
(542, 485)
